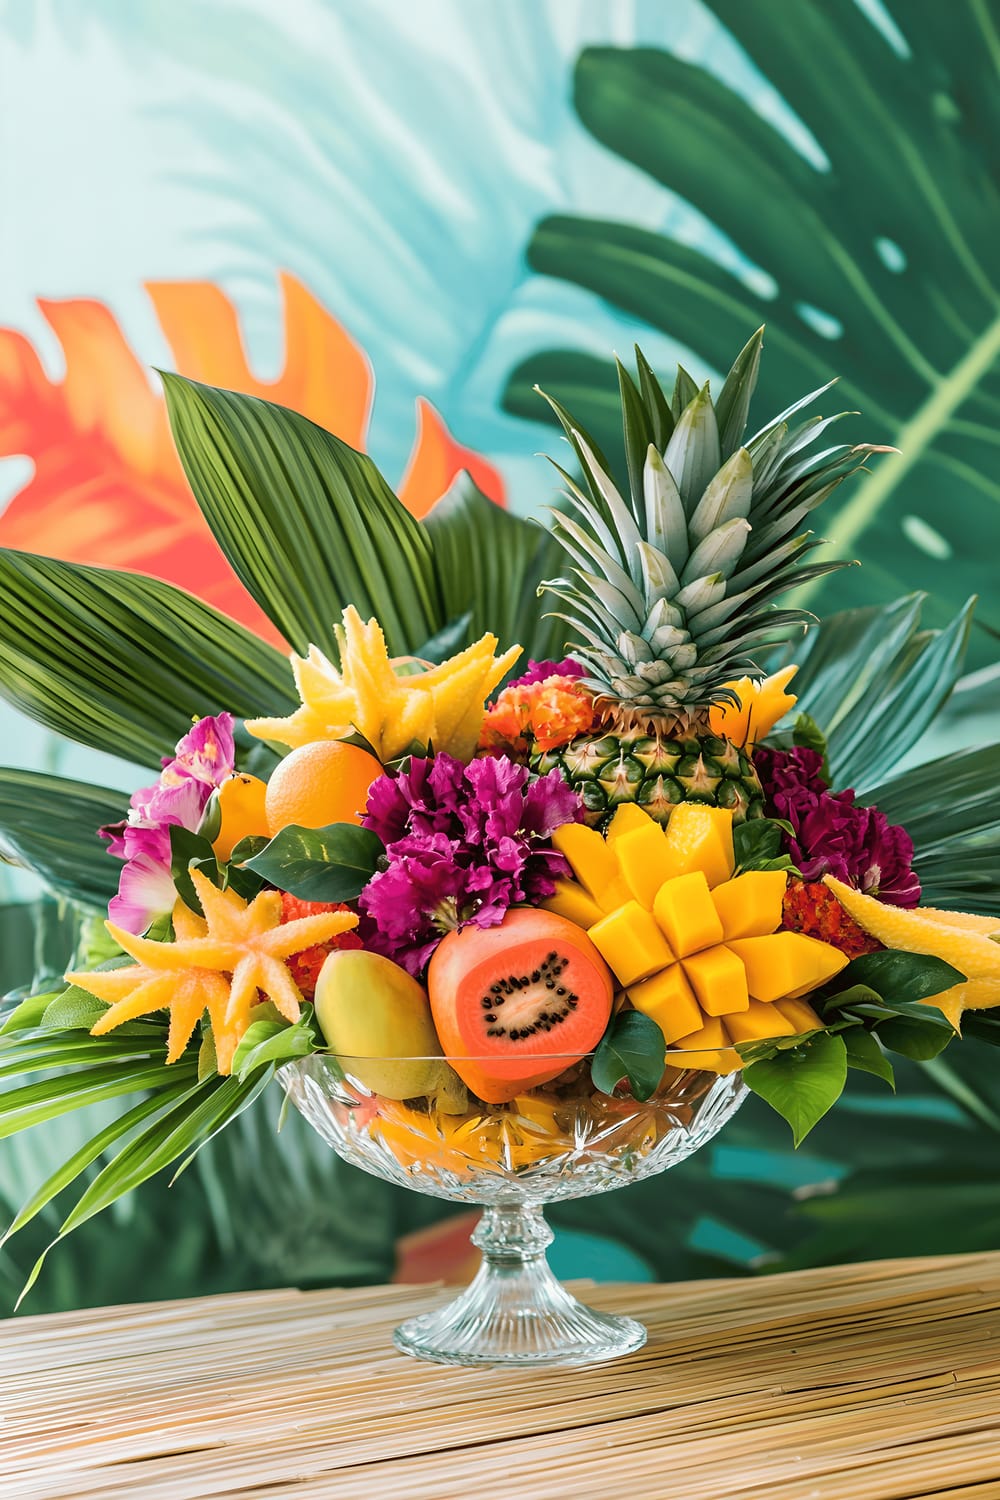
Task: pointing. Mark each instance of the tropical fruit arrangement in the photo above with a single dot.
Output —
(485, 875)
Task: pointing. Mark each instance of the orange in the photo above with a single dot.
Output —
(320, 783)
(241, 811)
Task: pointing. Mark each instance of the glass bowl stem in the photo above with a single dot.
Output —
(515, 1312)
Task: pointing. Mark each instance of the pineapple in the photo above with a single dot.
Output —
(670, 593)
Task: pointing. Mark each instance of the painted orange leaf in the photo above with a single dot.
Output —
(107, 485)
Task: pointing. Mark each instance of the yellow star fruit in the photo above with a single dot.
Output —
(970, 943)
(761, 705)
(223, 964)
(696, 947)
(441, 706)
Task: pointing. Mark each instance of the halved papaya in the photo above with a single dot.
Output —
(516, 1004)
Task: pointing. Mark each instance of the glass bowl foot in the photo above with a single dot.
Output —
(515, 1312)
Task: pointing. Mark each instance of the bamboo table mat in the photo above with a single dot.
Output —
(869, 1382)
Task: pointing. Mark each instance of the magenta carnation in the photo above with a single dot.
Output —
(201, 762)
(538, 671)
(833, 835)
(463, 844)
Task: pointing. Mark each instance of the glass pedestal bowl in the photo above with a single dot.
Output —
(559, 1140)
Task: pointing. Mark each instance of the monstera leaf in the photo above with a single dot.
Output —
(878, 254)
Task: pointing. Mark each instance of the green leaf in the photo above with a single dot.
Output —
(192, 851)
(757, 845)
(900, 978)
(89, 1152)
(188, 1123)
(74, 1010)
(733, 404)
(984, 1025)
(454, 637)
(46, 1100)
(187, 848)
(308, 524)
(320, 864)
(273, 1042)
(893, 694)
(954, 822)
(211, 819)
(916, 1038)
(632, 1048)
(661, 418)
(638, 434)
(248, 847)
(50, 824)
(489, 563)
(803, 1082)
(876, 249)
(27, 1015)
(208, 1060)
(865, 1054)
(122, 662)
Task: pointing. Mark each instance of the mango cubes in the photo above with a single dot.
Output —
(697, 948)
(630, 943)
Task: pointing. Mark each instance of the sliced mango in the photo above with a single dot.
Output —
(758, 1023)
(719, 980)
(571, 901)
(627, 819)
(969, 921)
(799, 1014)
(631, 943)
(668, 999)
(594, 864)
(701, 838)
(644, 861)
(786, 963)
(706, 1048)
(974, 994)
(685, 912)
(750, 905)
(973, 953)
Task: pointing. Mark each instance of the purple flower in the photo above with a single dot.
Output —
(833, 835)
(463, 844)
(202, 761)
(538, 671)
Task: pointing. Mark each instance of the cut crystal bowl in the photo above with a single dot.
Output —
(559, 1140)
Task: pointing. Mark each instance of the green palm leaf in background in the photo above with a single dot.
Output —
(878, 254)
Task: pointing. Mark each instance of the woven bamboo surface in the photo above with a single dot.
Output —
(870, 1382)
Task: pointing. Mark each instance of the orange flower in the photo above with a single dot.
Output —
(108, 487)
(536, 716)
(304, 966)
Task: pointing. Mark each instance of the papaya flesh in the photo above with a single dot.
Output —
(517, 1004)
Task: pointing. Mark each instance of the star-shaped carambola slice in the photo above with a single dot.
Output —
(224, 964)
(391, 707)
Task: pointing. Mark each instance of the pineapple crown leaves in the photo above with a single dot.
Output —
(672, 584)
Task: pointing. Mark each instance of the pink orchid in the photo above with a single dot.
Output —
(202, 761)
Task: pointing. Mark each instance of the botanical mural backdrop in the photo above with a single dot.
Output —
(396, 219)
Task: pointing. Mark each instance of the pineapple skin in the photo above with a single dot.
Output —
(656, 768)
